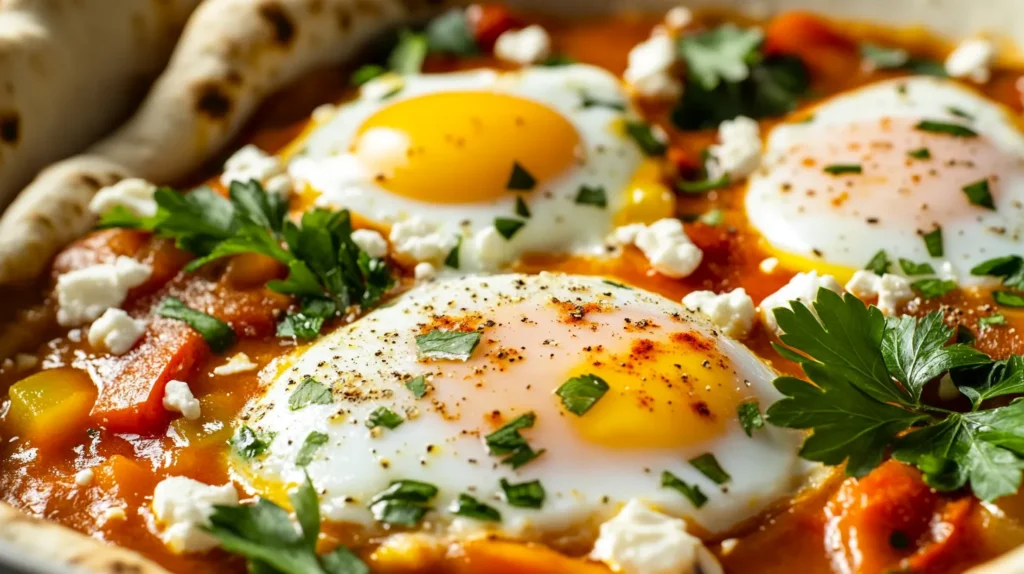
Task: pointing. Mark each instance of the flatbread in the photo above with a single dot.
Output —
(71, 70)
(232, 54)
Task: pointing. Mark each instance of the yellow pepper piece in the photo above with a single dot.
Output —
(50, 407)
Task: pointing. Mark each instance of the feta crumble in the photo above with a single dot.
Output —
(113, 513)
(116, 331)
(85, 294)
(183, 506)
(491, 248)
(421, 240)
(803, 287)
(649, 69)
(84, 477)
(891, 290)
(370, 241)
(639, 540)
(238, 363)
(133, 194)
(527, 46)
(424, 271)
(733, 311)
(769, 265)
(738, 152)
(665, 244)
(971, 59)
(250, 162)
(678, 18)
(178, 398)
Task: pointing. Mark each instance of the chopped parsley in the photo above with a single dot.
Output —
(440, 344)
(217, 334)
(691, 492)
(712, 217)
(965, 335)
(708, 465)
(507, 442)
(933, 242)
(592, 196)
(307, 323)
(520, 179)
(1010, 269)
(978, 193)
(842, 168)
(452, 259)
(522, 210)
(1008, 299)
(525, 494)
(581, 393)
(384, 417)
(470, 507)
(408, 55)
(955, 130)
(959, 113)
(403, 503)
(310, 392)
(507, 227)
(911, 268)
(450, 33)
(417, 386)
(750, 417)
(720, 55)
(365, 73)
(992, 321)
(883, 58)
(588, 101)
(645, 137)
(616, 284)
(920, 153)
(933, 287)
(249, 443)
(879, 263)
(314, 440)
(703, 186)
(557, 60)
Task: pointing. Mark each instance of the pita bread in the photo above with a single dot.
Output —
(71, 70)
(232, 54)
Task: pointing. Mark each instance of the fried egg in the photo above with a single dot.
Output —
(674, 385)
(881, 167)
(543, 149)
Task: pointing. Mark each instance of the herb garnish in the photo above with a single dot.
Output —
(1011, 269)
(507, 441)
(933, 287)
(911, 268)
(955, 130)
(468, 506)
(249, 443)
(644, 136)
(522, 210)
(592, 196)
(933, 242)
(365, 73)
(384, 417)
(920, 153)
(883, 58)
(524, 494)
(217, 334)
(507, 227)
(408, 55)
(588, 101)
(842, 168)
(703, 186)
(581, 393)
(750, 417)
(708, 465)
(691, 492)
(310, 392)
(978, 193)
(440, 344)
(452, 260)
(992, 320)
(879, 263)
(450, 33)
(314, 440)
(417, 385)
(520, 179)
(307, 323)
(1008, 299)
(403, 503)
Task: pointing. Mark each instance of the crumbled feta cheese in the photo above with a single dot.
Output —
(665, 244)
(803, 287)
(769, 265)
(738, 152)
(639, 540)
(135, 195)
(85, 294)
(178, 398)
(891, 290)
(24, 361)
(491, 248)
(527, 46)
(649, 71)
(424, 271)
(381, 87)
(183, 506)
(947, 272)
(971, 60)
(239, 363)
(250, 162)
(370, 241)
(113, 513)
(116, 331)
(421, 240)
(733, 311)
(84, 477)
(678, 18)
(323, 112)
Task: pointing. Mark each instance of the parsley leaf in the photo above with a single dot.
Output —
(750, 417)
(365, 73)
(978, 193)
(249, 443)
(525, 494)
(417, 385)
(466, 505)
(307, 323)
(309, 392)
(1011, 269)
(992, 320)
(217, 334)
(522, 210)
(408, 55)
(915, 351)
(508, 227)
(708, 465)
(842, 168)
(314, 440)
(592, 196)
(720, 55)
(644, 136)
(955, 130)
(581, 393)
(879, 263)
(933, 242)
(507, 441)
(452, 259)
(403, 503)
(691, 492)
(920, 153)
(450, 33)
(1008, 299)
(911, 268)
(883, 58)
(933, 287)
(384, 417)
(703, 186)
(453, 345)
(520, 179)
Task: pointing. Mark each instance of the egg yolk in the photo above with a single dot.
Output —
(462, 147)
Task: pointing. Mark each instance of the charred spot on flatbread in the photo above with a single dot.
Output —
(344, 18)
(10, 127)
(212, 101)
(280, 22)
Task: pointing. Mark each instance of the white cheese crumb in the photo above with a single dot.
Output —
(370, 241)
(947, 272)
(769, 265)
(803, 287)
(133, 194)
(738, 152)
(527, 46)
(971, 60)
(424, 271)
(421, 240)
(183, 506)
(250, 162)
(24, 361)
(85, 294)
(323, 113)
(649, 71)
(238, 363)
(84, 477)
(733, 311)
(891, 290)
(665, 244)
(491, 248)
(178, 398)
(678, 18)
(116, 331)
(639, 540)
(113, 513)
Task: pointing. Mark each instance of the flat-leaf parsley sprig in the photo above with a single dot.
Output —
(864, 399)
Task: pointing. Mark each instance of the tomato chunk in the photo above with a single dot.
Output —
(823, 48)
(488, 21)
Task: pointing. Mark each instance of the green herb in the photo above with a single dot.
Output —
(879, 263)
(708, 465)
(933, 242)
(452, 260)
(557, 60)
(720, 55)
(840, 168)
(882, 58)
(450, 33)
(307, 323)
(911, 268)
(712, 217)
(933, 287)
(926, 67)
(507, 227)
(1008, 299)
(920, 153)
(403, 503)
(521, 208)
(959, 113)
(581, 393)
(364, 74)
(314, 440)
(439, 344)
(588, 101)
(955, 130)
(691, 492)
(310, 392)
(645, 137)
(991, 321)
(408, 55)
(217, 334)
(592, 196)
(750, 417)
(615, 284)
(899, 540)
(694, 187)
(384, 417)
(965, 335)
(264, 534)
(525, 494)
(507, 441)
(520, 179)
(1010, 269)
(417, 385)
(468, 506)
(249, 443)
(978, 193)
